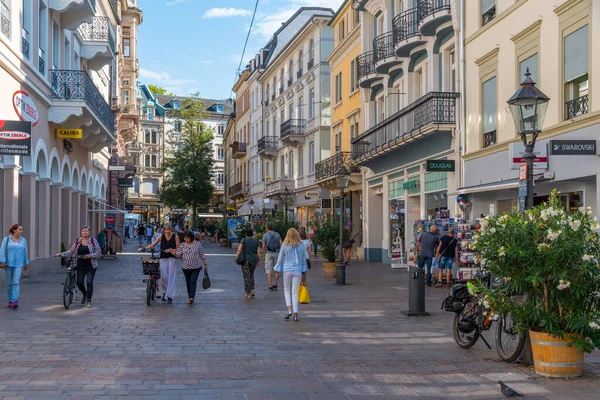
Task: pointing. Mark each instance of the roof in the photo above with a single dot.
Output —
(167, 102)
(147, 94)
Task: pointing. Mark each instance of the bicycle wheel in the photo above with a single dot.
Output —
(509, 342)
(149, 291)
(153, 290)
(67, 292)
(464, 327)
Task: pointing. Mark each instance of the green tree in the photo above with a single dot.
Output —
(188, 165)
(159, 90)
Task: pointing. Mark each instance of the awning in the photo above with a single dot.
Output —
(490, 187)
(260, 206)
(97, 206)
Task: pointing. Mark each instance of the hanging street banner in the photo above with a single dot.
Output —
(15, 138)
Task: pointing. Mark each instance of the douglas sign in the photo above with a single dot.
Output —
(15, 138)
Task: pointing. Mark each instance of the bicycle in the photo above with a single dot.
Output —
(152, 269)
(472, 319)
(70, 284)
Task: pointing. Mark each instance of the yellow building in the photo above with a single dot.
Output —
(346, 106)
(554, 41)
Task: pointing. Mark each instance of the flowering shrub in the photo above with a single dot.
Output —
(552, 257)
(324, 229)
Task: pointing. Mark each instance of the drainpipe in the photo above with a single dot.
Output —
(463, 87)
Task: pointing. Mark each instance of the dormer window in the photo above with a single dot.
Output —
(220, 108)
(150, 112)
(177, 105)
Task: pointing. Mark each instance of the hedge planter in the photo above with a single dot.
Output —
(553, 357)
(330, 269)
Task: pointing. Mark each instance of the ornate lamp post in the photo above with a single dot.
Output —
(528, 107)
(251, 205)
(342, 179)
(287, 200)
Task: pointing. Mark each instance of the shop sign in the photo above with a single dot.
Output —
(69, 133)
(440, 165)
(15, 138)
(573, 147)
(25, 107)
(230, 208)
(98, 164)
(326, 203)
(116, 167)
(109, 220)
(68, 145)
(312, 195)
(411, 185)
(125, 182)
(129, 207)
(517, 150)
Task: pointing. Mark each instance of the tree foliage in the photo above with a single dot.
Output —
(188, 165)
(155, 89)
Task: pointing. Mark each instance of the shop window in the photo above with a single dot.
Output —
(413, 185)
(397, 217)
(436, 181)
(396, 189)
(576, 73)
(437, 205)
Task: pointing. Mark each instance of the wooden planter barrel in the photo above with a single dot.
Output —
(553, 357)
(329, 269)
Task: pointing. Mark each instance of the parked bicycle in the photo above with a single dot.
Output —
(472, 318)
(151, 267)
(70, 284)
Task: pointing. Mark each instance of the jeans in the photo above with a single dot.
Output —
(191, 278)
(168, 273)
(426, 261)
(248, 272)
(148, 239)
(140, 240)
(291, 282)
(86, 275)
(13, 283)
(446, 263)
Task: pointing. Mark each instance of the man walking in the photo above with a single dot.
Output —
(426, 249)
(271, 243)
(149, 233)
(447, 253)
(141, 233)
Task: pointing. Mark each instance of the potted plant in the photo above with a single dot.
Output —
(326, 234)
(551, 256)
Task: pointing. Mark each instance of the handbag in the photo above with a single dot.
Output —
(240, 259)
(303, 295)
(205, 281)
(6, 251)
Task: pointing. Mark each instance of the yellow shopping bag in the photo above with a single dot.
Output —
(303, 295)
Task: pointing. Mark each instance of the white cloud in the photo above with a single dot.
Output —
(208, 62)
(226, 12)
(173, 2)
(172, 84)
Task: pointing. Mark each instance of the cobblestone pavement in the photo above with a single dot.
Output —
(351, 342)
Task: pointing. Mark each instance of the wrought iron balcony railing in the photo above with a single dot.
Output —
(293, 127)
(433, 108)
(406, 24)
(25, 47)
(383, 46)
(5, 25)
(99, 30)
(238, 149)
(311, 63)
(488, 15)
(430, 7)
(366, 64)
(299, 74)
(268, 143)
(578, 106)
(42, 61)
(77, 85)
(489, 138)
(239, 188)
(329, 167)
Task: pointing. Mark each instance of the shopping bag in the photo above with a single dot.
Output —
(205, 281)
(434, 266)
(303, 295)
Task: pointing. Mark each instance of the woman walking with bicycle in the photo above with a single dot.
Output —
(192, 254)
(14, 259)
(168, 241)
(87, 252)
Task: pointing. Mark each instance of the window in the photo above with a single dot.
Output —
(353, 127)
(576, 73)
(42, 36)
(338, 88)
(342, 30)
(177, 105)
(530, 63)
(301, 107)
(55, 45)
(267, 129)
(311, 104)
(67, 54)
(221, 129)
(300, 63)
(127, 47)
(353, 75)
(291, 165)
(282, 167)
(282, 116)
(220, 178)
(150, 113)
(220, 153)
(338, 141)
(488, 11)
(154, 138)
(5, 17)
(311, 157)
(147, 136)
(147, 161)
(27, 15)
(452, 62)
(177, 126)
(489, 112)
(300, 162)
(290, 72)
(125, 96)
(291, 110)
(355, 18)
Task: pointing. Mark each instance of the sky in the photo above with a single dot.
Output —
(189, 46)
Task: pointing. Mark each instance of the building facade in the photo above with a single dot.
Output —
(55, 72)
(237, 150)
(409, 77)
(502, 40)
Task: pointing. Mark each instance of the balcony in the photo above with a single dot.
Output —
(384, 55)
(133, 147)
(267, 146)
(432, 14)
(98, 45)
(576, 107)
(292, 132)
(239, 190)
(328, 168)
(219, 187)
(406, 29)
(25, 48)
(366, 70)
(151, 171)
(436, 111)
(42, 61)
(277, 186)
(238, 150)
(311, 64)
(77, 103)
(73, 12)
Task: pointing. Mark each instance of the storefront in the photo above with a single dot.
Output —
(306, 204)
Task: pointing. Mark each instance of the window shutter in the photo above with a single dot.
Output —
(489, 105)
(532, 64)
(576, 54)
(487, 4)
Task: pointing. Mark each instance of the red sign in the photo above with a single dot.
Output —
(25, 107)
(523, 172)
(109, 220)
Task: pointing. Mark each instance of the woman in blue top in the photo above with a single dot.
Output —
(14, 258)
(292, 263)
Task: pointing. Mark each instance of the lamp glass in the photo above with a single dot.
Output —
(342, 178)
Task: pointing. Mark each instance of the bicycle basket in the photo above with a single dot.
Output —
(150, 267)
(455, 301)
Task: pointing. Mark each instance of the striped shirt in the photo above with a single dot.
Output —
(191, 255)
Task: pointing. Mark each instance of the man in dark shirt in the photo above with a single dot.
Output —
(447, 254)
(426, 247)
(141, 233)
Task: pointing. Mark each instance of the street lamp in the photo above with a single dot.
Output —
(287, 200)
(251, 206)
(342, 179)
(528, 107)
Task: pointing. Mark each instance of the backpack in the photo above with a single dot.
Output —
(457, 299)
(273, 242)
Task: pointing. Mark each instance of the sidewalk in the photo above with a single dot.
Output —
(352, 342)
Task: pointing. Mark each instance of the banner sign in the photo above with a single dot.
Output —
(15, 138)
(573, 147)
(517, 150)
(69, 133)
(25, 107)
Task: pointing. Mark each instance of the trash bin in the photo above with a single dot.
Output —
(416, 292)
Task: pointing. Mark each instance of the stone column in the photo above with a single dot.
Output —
(66, 222)
(45, 212)
(76, 223)
(84, 209)
(28, 204)
(92, 218)
(10, 207)
(56, 217)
